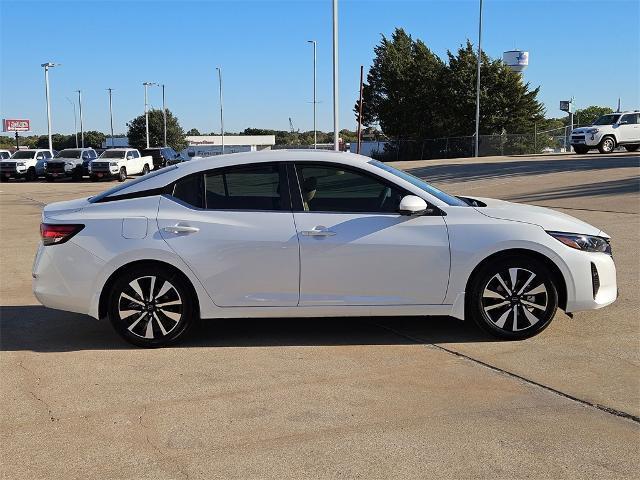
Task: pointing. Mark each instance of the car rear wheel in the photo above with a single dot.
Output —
(122, 175)
(607, 145)
(150, 306)
(513, 298)
(631, 148)
(580, 149)
(31, 175)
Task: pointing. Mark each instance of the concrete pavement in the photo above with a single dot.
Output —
(337, 398)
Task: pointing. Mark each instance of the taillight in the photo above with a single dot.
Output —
(56, 234)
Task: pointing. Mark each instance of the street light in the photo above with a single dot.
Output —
(75, 120)
(46, 67)
(146, 107)
(477, 138)
(315, 135)
(81, 127)
(111, 114)
(219, 69)
(164, 115)
(336, 140)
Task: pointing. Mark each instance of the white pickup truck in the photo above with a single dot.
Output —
(118, 163)
(27, 164)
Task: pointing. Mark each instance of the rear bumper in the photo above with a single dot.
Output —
(65, 279)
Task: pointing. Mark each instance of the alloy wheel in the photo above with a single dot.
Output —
(150, 307)
(515, 300)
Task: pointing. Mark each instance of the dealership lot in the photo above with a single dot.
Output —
(337, 398)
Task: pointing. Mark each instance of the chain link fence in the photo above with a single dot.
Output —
(457, 147)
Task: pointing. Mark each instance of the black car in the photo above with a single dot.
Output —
(160, 156)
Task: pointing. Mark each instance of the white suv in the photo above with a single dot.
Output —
(608, 132)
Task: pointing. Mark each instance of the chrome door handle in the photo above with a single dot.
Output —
(318, 231)
(181, 229)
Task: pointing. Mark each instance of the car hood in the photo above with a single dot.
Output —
(546, 218)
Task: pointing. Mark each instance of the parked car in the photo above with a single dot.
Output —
(70, 162)
(177, 160)
(312, 234)
(27, 164)
(160, 155)
(608, 132)
(4, 154)
(119, 163)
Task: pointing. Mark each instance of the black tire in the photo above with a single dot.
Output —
(76, 176)
(3, 179)
(607, 145)
(145, 169)
(492, 307)
(94, 179)
(31, 175)
(631, 148)
(122, 174)
(580, 150)
(49, 178)
(153, 326)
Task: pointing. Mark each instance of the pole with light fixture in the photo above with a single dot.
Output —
(219, 69)
(336, 140)
(81, 126)
(46, 67)
(477, 136)
(315, 132)
(146, 107)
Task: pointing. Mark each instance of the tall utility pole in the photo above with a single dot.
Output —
(315, 133)
(146, 107)
(111, 114)
(164, 116)
(75, 119)
(360, 111)
(336, 139)
(46, 67)
(219, 69)
(81, 127)
(477, 137)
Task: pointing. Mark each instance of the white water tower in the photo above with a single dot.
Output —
(517, 60)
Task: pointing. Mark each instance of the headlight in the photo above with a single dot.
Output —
(593, 130)
(586, 243)
(21, 164)
(113, 164)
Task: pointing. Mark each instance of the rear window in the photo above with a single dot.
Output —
(114, 191)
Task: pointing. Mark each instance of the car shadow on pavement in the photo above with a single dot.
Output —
(39, 329)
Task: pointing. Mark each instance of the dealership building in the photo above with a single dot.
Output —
(210, 145)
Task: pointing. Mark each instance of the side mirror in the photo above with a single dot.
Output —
(412, 205)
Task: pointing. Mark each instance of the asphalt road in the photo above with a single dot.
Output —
(333, 398)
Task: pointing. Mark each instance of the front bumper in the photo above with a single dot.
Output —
(585, 139)
(594, 282)
(10, 169)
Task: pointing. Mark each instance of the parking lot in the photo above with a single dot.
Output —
(333, 398)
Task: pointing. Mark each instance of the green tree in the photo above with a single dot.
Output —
(92, 139)
(193, 132)
(138, 137)
(586, 116)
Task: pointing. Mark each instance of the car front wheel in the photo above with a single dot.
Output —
(122, 175)
(150, 307)
(513, 298)
(607, 145)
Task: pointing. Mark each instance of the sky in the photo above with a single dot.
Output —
(587, 49)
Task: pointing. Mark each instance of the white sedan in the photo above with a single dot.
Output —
(312, 234)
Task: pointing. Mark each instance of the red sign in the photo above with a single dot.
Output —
(15, 125)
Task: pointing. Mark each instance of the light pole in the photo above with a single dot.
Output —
(111, 114)
(164, 115)
(146, 107)
(46, 67)
(315, 133)
(219, 69)
(477, 138)
(336, 140)
(75, 120)
(81, 127)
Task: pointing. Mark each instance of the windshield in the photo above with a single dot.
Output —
(112, 154)
(418, 182)
(70, 153)
(130, 183)
(606, 120)
(23, 154)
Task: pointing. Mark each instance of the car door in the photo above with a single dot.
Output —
(234, 228)
(134, 163)
(356, 249)
(629, 129)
